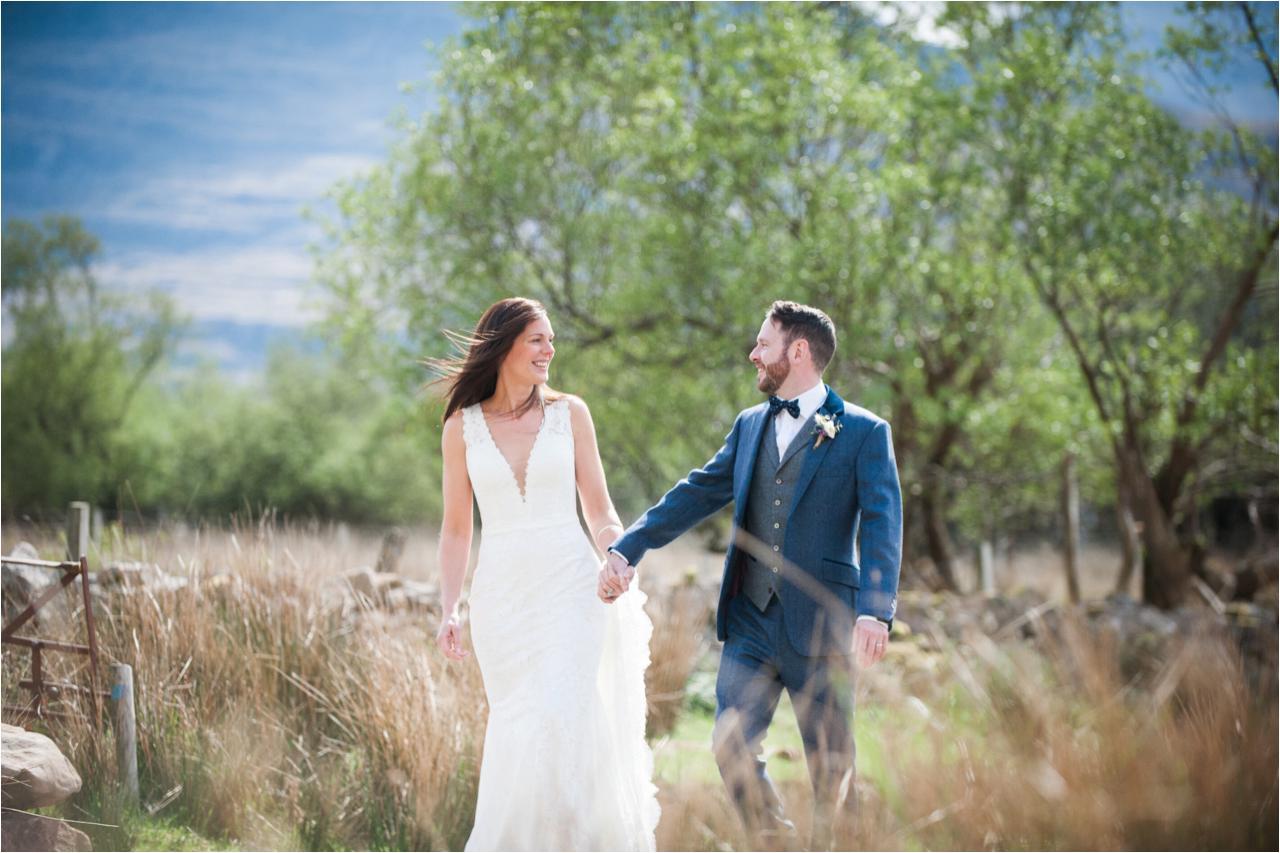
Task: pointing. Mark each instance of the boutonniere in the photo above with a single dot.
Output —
(827, 427)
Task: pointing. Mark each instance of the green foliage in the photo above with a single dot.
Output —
(657, 175)
(1023, 254)
(75, 357)
(85, 419)
(311, 439)
(1130, 229)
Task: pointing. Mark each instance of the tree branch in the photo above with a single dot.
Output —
(1183, 452)
(1258, 42)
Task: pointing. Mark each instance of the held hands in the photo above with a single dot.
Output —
(615, 577)
(870, 639)
(449, 638)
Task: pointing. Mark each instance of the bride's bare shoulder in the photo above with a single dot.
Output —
(453, 428)
(576, 405)
(579, 414)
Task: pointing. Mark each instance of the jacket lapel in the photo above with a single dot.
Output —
(751, 449)
(833, 406)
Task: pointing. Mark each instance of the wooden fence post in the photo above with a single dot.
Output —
(392, 549)
(126, 732)
(77, 530)
(986, 567)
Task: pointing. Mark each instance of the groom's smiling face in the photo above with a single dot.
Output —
(770, 358)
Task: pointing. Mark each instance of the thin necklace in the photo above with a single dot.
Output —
(542, 404)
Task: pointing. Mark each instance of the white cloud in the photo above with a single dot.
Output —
(250, 284)
(238, 200)
(921, 19)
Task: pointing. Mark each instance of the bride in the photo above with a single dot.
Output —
(565, 764)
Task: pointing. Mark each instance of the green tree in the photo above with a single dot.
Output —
(658, 174)
(1152, 268)
(75, 358)
(308, 439)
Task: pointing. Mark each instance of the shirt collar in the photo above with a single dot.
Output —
(810, 401)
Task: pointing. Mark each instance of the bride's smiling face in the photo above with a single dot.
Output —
(529, 360)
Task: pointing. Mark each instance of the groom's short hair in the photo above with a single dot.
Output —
(804, 321)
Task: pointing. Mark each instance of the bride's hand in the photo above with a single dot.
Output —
(449, 638)
(603, 589)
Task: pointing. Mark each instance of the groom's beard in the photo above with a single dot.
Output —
(775, 374)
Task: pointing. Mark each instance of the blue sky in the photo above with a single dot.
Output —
(189, 137)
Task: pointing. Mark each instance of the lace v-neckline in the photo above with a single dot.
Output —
(520, 485)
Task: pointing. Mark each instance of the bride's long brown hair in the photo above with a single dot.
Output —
(472, 376)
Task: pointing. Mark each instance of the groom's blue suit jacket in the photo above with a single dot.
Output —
(847, 490)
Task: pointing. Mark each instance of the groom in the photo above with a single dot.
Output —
(807, 474)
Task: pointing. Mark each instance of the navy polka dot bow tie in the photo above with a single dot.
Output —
(777, 404)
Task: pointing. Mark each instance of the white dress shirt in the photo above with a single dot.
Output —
(786, 427)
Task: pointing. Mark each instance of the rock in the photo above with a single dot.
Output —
(23, 584)
(1254, 629)
(958, 617)
(38, 832)
(126, 574)
(131, 575)
(418, 595)
(373, 586)
(917, 667)
(24, 551)
(35, 772)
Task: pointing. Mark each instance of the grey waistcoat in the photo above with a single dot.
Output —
(772, 487)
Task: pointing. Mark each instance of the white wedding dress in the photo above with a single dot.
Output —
(565, 765)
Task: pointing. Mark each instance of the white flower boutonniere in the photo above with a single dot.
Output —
(827, 427)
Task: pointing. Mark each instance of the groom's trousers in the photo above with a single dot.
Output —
(757, 663)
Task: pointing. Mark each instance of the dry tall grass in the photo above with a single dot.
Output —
(289, 722)
(1015, 748)
(681, 615)
(1052, 749)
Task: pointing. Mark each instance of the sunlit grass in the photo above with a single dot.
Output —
(291, 722)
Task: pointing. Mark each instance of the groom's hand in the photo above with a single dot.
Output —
(870, 639)
(615, 576)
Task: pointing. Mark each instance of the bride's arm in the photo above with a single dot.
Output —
(455, 535)
(597, 506)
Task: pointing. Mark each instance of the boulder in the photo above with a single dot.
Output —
(934, 616)
(416, 595)
(126, 573)
(130, 575)
(25, 551)
(22, 831)
(375, 587)
(23, 584)
(35, 772)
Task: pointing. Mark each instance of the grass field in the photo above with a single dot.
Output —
(273, 717)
